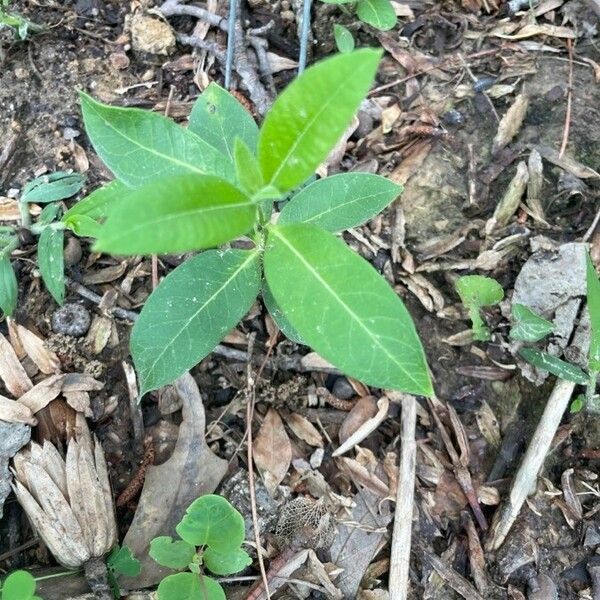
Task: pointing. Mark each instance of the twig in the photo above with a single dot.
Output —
(536, 452)
(233, 6)
(120, 313)
(172, 8)
(401, 536)
(565, 139)
(304, 31)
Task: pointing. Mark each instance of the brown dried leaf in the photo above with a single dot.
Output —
(12, 372)
(80, 382)
(488, 424)
(46, 360)
(272, 450)
(568, 164)
(12, 411)
(105, 275)
(80, 401)
(43, 393)
(367, 427)
(360, 474)
(304, 429)
(99, 333)
(509, 203)
(364, 409)
(510, 123)
(534, 29)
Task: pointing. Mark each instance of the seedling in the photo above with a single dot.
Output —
(211, 533)
(21, 26)
(19, 585)
(475, 292)
(184, 189)
(121, 562)
(377, 13)
(48, 190)
(528, 326)
(343, 38)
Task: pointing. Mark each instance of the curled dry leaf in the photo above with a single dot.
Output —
(534, 186)
(367, 428)
(364, 409)
(507, 207)
(304, 429)
(12, 372)
(46, 360)
(272, 450)
(534, 29)
(510, 123)
(361, 475)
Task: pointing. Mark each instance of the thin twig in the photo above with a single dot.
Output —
(172, 8)
(233, 6)
(565, 139)
(304, 32)
(401, 536)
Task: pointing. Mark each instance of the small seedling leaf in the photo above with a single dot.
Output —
(49, 214)
(340, 202)
(593, 303)
(344, 39)
(19, 585)
(8, 286)
(99, 202)
(173, 554)
(177, 214)
(310, 116)
(476, 290)
(218, 118)
(181, 586)
(51, 262)
(246, 168)
(226, 563)
(554, 365)
(377, 13)
(122, 562)
(529, 326)
(577, 405)
(344, 309)
(83, 226)
(211, 520)
(279, 316)
(139, 146)
(191, 311)
(52, 187)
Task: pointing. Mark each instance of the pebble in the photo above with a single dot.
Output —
(72, 252)
(71, 319)
(70, 134)
(453, 117)
(342, 389)
(119, 60)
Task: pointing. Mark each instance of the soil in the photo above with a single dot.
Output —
(452, 183)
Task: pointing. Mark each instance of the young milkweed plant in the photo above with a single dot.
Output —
(184, 189)
(211, 533)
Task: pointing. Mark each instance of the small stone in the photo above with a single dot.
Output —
(71, 319)
(72, 252)
(21, 73)
(70, 134)
(342, 389)
(316, 458)
(287, 15)
(13, 436)
(119, 60)
(151, 35)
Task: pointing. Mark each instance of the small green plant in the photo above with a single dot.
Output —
(475, 292)
(48, 190)
(19, 585)
(377, 13)
(343, 38)
(21, 26)
(211, 533)
(121, 562)
(528, 326)
(184, 189)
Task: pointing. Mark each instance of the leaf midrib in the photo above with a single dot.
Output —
(347, 308)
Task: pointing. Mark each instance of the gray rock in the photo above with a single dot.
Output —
(13, 436)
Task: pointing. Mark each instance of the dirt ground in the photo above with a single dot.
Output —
(452, 70)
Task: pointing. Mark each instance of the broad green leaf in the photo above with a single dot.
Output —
(279, 316)
(226, 563)
(529, 326)
(8, 286)
(173, 554)
(310, 116)
(83, 226)
(52, 187)
(554, 365)
(177, 214)
(344, 40)
(340, 202)
(49, 214)
(344, 309)
(191, 311)
(122, 561)
(51, 261)
(377, 13)
(476, 290)
(593, 304)
(19, 585)
(246, 168)
(219, 118)
(211, 520)
(139, 146)
(181, 586)
(99, 202)
(211, 589)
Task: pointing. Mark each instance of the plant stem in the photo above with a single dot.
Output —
(25, 216)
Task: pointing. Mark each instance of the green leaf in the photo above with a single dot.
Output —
(593, 304)
(554, 365)
(218, 118)
(344, 40)
(139, 146)
(181, 586)
(340, 202)
(122, 561)
(49, 214)
(177, 214)
(528, 327)
(99, 202)
(226, 563)
(246, 168)
(51, 262)
(52, 187)
(211, 520)
(310, 116)
(279, 316)
(191, 311)
(173, 554)
(83, 226)
(377, 13)
(19, 585)
(8, 286)
(577, 405)
(476, 290)
(344, 309)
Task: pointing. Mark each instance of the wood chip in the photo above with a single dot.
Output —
(43, 393)
(12, 411)
(12, 372)
(46, 360)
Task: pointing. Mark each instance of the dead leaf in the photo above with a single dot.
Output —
(80, 401)
(192, 470)
(280, 63)
(12, 372)
(533, 29)
(80, 382)
(304, 429)
(488, 424)
(105, 275)
(568, 164)
(411, 163)
(43, 393)
(46, 360)
(510, 123)
(272, 450)
(367, 428)
(361, 475)
(12, 411)
(364, 409)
